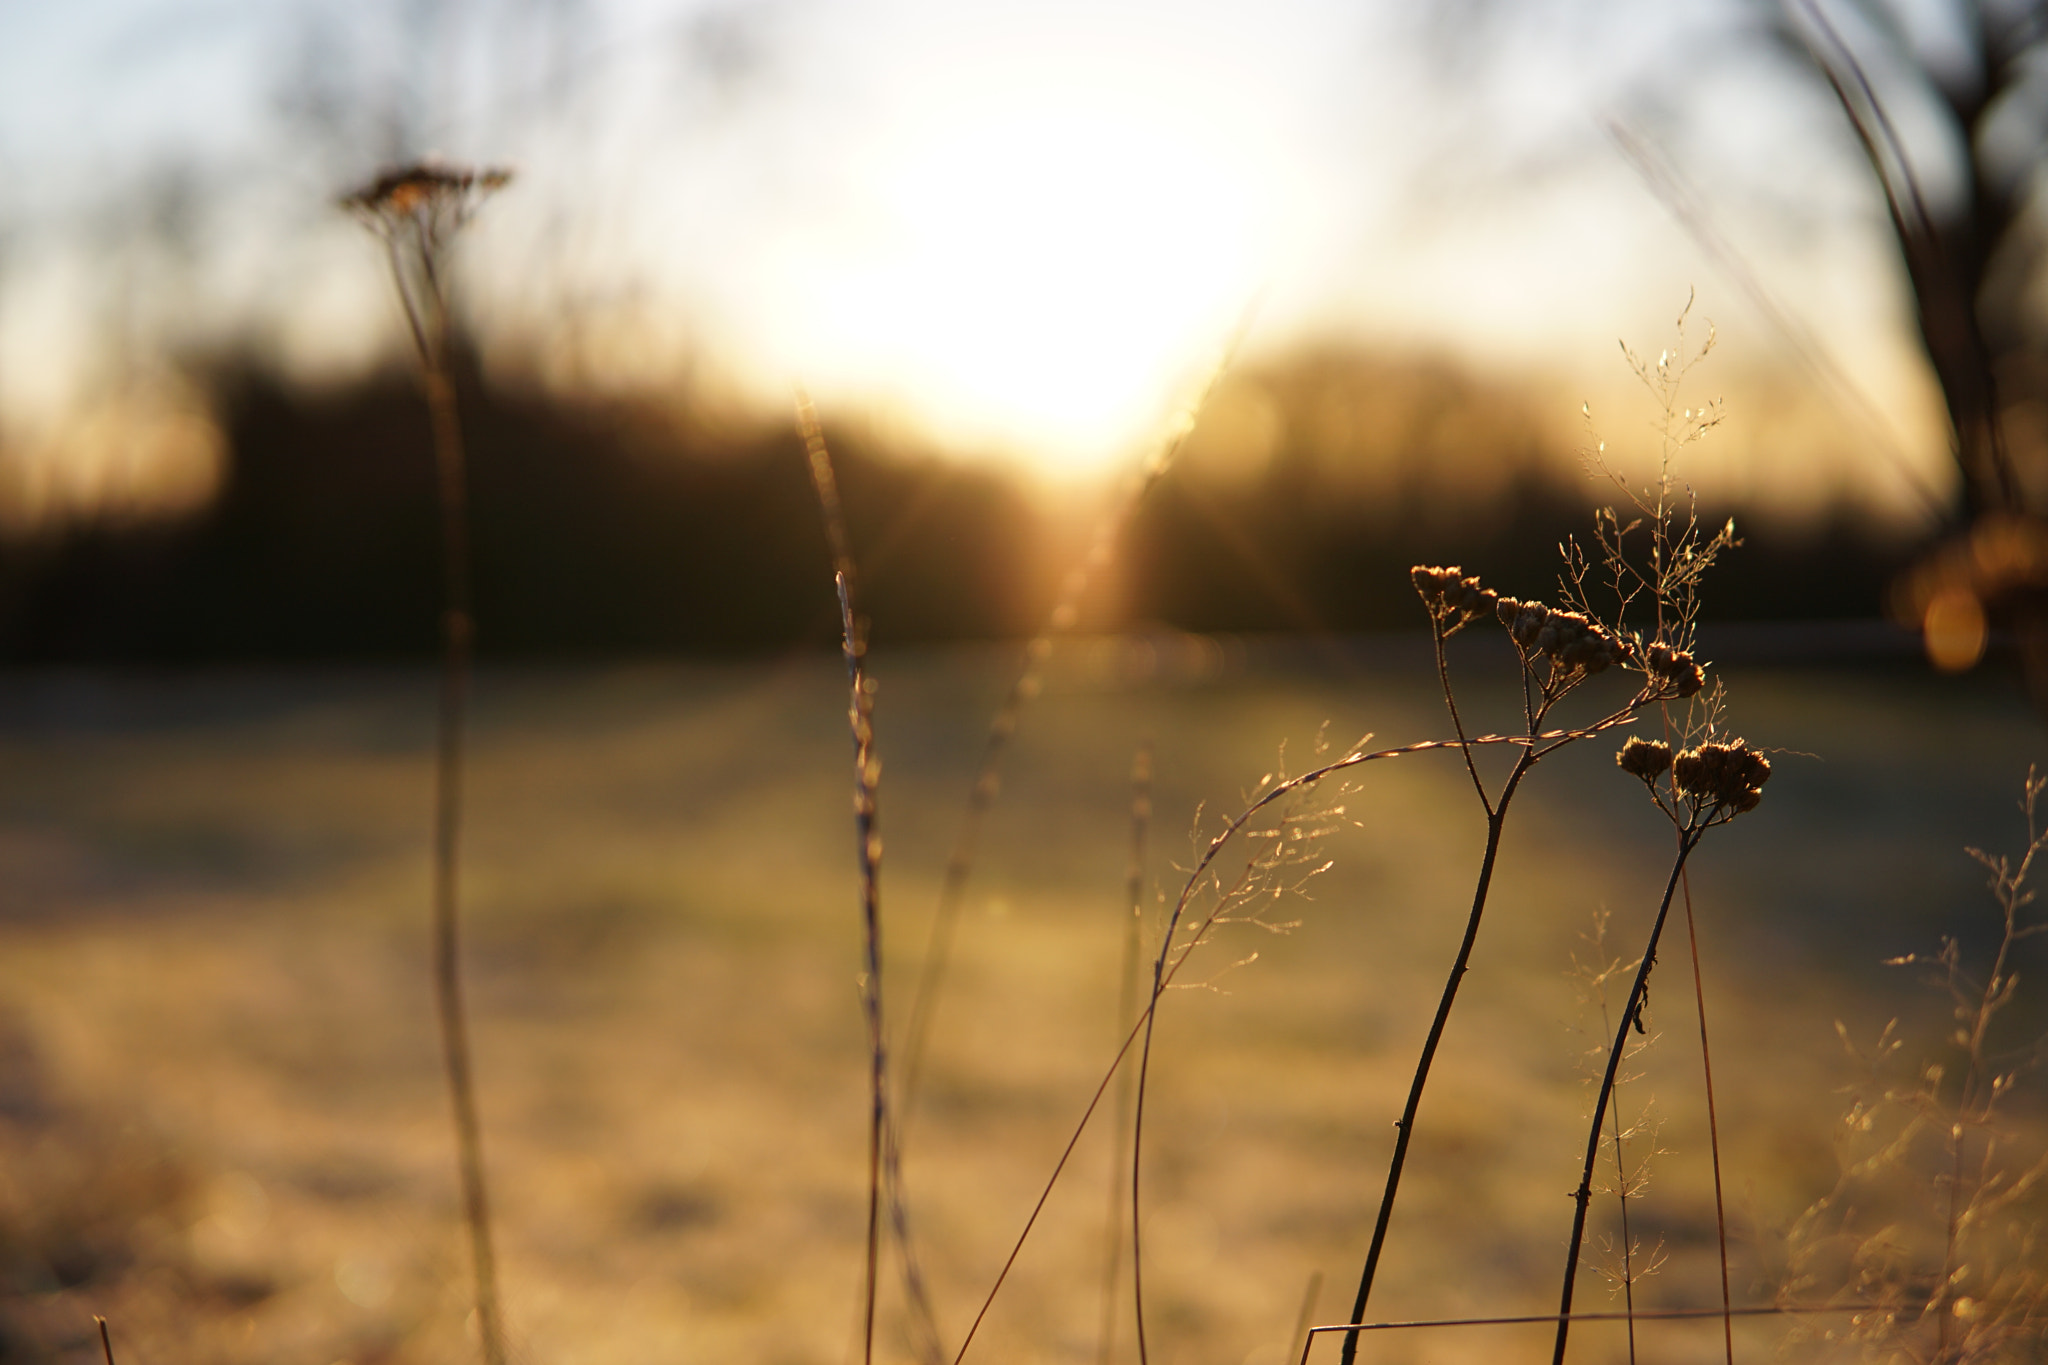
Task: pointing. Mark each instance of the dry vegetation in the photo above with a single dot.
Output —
(224, 1122)
(223, 1119)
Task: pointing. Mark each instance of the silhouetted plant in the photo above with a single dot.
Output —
(416, 211)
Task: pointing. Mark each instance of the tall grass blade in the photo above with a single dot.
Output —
(885, 1171)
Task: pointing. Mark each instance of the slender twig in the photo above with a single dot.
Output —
(106, 1342)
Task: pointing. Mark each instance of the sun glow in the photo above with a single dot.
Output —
(1045, 279)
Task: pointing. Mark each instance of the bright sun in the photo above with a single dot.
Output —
(1045, 276)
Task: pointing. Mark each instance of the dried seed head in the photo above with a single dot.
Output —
(1450, 595)
(1674, 670)
(1729, 776)
(434, 197)
(1644, 758)
(1570, 639)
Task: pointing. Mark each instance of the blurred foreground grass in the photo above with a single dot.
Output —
(221, 1115)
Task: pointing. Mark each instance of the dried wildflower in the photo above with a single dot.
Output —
(1644, 758)
(1728, 776)
(416, 210)
(1570, 639)
(1450, 595)
(1674, 670)
(425, 188)
(422, 206)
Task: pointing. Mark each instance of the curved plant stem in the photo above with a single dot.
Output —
(426, 316)
(1127, 1004)
(1688, 840)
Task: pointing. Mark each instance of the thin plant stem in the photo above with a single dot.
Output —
(1305, 1318)
(1127, 1004)
(1628, 1276)
(868, 850)
(427, 317)
(1689, 838)
(885, 1170)
(1161, 978)
(1699, 992)
(106, 1342)
(1443, 673)
(1628, 1286)
(1699, 995)
(1539, 695)
(1534, 746)
(415, 211)
(1404, 1127)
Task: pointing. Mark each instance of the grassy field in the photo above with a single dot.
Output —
(222, 1121)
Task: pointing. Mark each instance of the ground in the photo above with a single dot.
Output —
(221, 1112)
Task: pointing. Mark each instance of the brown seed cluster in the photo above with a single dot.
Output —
(405, 190)
(1730, 775)
(1569, 638)
(1448, 592)
(1644, 758)
(1674, 670)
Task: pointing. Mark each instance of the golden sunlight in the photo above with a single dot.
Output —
(1044, 280)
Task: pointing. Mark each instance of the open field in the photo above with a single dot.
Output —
(222, 1121)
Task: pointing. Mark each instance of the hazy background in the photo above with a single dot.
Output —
(1001, 242)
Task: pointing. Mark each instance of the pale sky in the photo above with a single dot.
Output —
(1021, 226)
